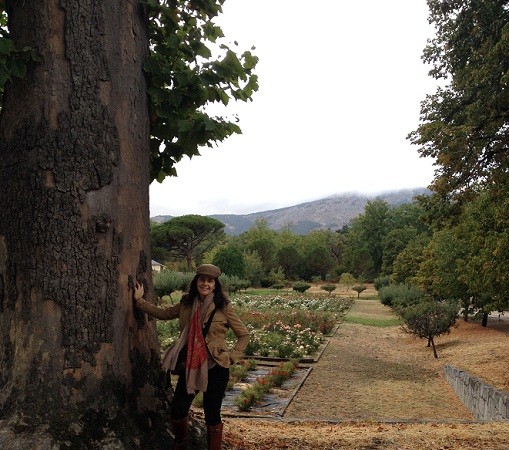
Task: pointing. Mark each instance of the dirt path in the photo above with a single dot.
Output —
(375, 373)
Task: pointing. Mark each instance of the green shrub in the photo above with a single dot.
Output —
(198, 400)
(360, 288)
(429, 318)
(249, 397)
(167, 282)
(238, 372)
(328, 288)
(168, 332)
(301, 286)
(347, 280)
(233, 284)
(281, 373)
(400, 295)
(381, 282)
(276, 276)
(265, 283)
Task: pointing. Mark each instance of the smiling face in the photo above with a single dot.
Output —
(205, 285)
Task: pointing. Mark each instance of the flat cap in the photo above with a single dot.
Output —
(209, 270)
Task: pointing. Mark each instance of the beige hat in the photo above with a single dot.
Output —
(209, 269)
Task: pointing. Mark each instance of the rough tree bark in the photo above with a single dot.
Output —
(75, 360)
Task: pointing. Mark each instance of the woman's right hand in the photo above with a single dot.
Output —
(138, 292)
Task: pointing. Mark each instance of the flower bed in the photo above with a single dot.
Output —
(270, 400)
(277, 329)
(290, 325)
(286, 326)
(263, 385)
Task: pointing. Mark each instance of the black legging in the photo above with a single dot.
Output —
(218, 378)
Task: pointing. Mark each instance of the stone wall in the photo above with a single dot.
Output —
(486, 402)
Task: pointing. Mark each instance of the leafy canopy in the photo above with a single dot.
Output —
(464, 125)
(13, 61)
(188, 69)
(185, 77)
(429, 319)
(230, 260)
(187, 237)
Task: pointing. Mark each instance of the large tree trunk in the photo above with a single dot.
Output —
(74, 229)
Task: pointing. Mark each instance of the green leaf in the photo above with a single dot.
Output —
(185, 78)
(250, 61)
(4, 74)
(6, 46)
(203, 51)
(224, 97)
(17, 68)
(161, 175)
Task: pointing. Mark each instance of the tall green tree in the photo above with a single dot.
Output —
(404, 224)
(187, 237)
(441, 274)
(394, 243)
(485, 227)
(364, 240)
(288, 252)
(464, 127)
(408, 215)
(253, 271)
(262, 240)
(334, 243)
(290, 261)
(231, 261)
(408, 261)
(318, 262)
(464, 123)
(316, 257)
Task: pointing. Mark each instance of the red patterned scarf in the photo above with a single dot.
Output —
(196, 363)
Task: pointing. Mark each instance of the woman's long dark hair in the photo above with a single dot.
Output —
(220, 298)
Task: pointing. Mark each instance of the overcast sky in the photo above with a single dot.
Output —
(340, 89)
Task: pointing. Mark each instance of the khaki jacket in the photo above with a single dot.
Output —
(216, 337)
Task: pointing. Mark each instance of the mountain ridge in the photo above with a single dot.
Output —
(333, 212)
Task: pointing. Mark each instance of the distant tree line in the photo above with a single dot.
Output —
(403, 245)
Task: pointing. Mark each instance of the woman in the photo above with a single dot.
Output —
(208, 358)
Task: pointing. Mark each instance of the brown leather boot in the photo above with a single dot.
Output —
(214, 436)
(180, 431)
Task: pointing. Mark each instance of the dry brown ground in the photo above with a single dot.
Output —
(380, 388)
